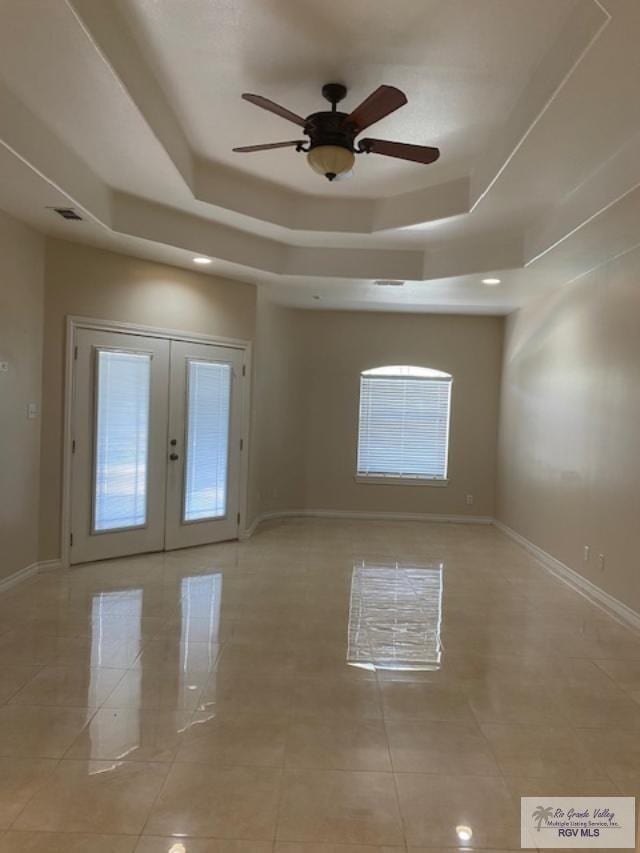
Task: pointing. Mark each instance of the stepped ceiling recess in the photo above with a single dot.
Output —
(128, 110)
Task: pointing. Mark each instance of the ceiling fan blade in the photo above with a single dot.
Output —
(245, 149)
(382, 102)
(402, 150)
(272, 107)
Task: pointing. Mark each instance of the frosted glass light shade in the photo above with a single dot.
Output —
(330, 160)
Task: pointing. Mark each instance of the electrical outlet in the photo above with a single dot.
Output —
(601, 562)
(469, 500)
(587, 553)
(32, 411)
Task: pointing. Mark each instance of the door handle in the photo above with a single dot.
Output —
(173, 457)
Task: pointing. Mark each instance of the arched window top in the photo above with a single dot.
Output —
(407, 370)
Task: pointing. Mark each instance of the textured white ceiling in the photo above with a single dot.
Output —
(461, 63)
(128, 109)
(50, 64)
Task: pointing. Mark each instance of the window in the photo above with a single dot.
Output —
(122, 440)
(208, 407)
(403, 432)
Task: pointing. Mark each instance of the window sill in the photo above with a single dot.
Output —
(400, 481)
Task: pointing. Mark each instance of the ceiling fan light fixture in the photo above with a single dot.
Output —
(331, 160)
(331, 145)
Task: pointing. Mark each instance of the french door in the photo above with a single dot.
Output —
(203, 482)
(156, 428)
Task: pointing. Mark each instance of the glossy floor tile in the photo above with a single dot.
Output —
(69, 687)
(324, 687)
(121, 734)
(95, 796)
(222, 802)
(323, 742)
(40, 731)
(12, 678)
(169, 844)
(539, 751)
(435, 807)
(20, 779)
(436, 747)
(230, 738)
(65, 842)
(340, 806)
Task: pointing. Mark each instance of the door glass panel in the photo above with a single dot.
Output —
(207, 451)
(122, 440)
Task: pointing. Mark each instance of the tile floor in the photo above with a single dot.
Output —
(327, 683)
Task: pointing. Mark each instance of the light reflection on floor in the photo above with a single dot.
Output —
(395, 613)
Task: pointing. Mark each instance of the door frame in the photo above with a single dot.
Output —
(73, 323)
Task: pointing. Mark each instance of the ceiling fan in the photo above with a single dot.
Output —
(331, 145)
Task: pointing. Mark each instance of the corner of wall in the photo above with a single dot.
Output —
(21, 331)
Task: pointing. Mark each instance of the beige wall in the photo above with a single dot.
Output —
(103, 285)
(569, 445)
(322, 358)
(278, 427)
(569, 450)
(21, 310)
(305, 389)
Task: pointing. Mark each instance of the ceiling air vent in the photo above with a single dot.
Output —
(388, 282)
(67, 213)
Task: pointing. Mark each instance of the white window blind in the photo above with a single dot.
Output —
(209, 399)
(403, 429)
(122, 439)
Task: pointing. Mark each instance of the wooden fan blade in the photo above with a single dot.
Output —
(379, 104)
(245, 149)
(272, 107)
(404, 151)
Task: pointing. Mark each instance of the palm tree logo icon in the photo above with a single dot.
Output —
(542, 814)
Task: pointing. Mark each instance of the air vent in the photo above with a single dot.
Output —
(67, 213)
(388, 282)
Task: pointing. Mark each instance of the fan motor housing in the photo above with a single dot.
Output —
(329, 128)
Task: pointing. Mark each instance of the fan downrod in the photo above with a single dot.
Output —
(334, 93)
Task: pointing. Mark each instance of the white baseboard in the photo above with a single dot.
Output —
(594, 594)
(18, 577)
(364, 516)
(49, 565)
(247, 532)
(28, 572)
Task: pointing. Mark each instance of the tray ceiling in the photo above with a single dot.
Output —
(128, 109)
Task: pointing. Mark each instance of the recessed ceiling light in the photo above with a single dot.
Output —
(491, 281)
(201, 260)
(464, 833)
